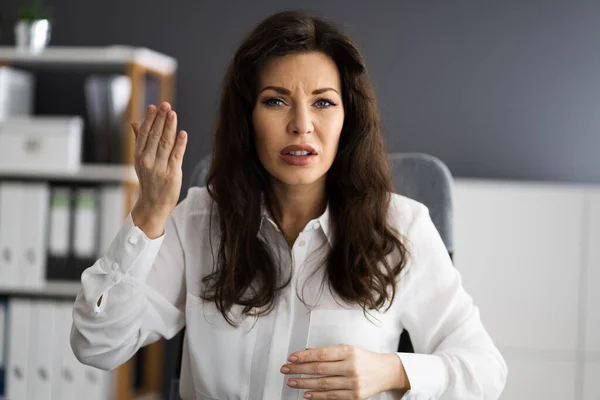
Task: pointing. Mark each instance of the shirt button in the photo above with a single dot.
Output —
(302, 243)
(133, 240)
(114, 266)
(316, 225)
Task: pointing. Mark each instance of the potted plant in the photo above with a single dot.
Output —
(33, 27)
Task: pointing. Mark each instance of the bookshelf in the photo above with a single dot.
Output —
(56, 289)
(87, 173)
(138, 64)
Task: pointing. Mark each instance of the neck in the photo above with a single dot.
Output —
(294, 206)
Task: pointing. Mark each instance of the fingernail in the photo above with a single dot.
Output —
(308, 396)
(293, 359)
(171, 115)
(292, 383)
(149, 110)
(164, 106)
(182, 135)
(285, 370)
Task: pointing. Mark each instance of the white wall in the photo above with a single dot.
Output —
(529, 254)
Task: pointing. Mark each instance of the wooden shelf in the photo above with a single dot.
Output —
(136, 63)
(63, 289)
(87, 173)
(93, 55)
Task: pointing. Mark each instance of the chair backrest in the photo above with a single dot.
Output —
(428, 180)
(419, 176)
(198, 177)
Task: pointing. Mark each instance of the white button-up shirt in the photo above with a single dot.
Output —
(152, 288)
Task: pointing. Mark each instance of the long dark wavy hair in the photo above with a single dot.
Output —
(358, 184)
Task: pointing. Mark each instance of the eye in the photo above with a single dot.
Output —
(324, 103)
(274, 102)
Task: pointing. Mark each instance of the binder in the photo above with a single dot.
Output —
(79, 381)
(85, 238)
(34, 223)
(107, 98)
(59, 236)
(19, 323)
(97, 384)
(112, 215)
(10, 233)
(41, 373)
(3, 344)
(70, 378)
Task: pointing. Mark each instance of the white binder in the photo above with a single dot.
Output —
(34, 222)
(79, 381)
(10, 233)
(17, 92)
(17, 378)
(41, 373)
(112, 215)
(60, 222)
(98, 384)
(70, 379)
(85, 243)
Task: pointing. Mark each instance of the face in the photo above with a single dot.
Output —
(298, 118)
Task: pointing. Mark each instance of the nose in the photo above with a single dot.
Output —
(301, 121)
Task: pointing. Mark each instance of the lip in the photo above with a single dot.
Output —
(298, 161)
(299, 147)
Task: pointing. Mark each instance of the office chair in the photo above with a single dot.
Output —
(418, 176)
(428, 180)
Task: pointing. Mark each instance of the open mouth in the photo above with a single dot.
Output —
(301, 153)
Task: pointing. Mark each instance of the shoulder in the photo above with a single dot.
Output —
(197, 202)
(411, 219)
(403, 212)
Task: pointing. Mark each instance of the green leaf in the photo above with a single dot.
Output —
(33, 12)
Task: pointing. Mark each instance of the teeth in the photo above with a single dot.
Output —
(299, 153)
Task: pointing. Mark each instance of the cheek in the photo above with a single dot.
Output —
(332, 138)
(261, 133)
(266, 137)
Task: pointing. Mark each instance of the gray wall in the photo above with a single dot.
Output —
(506, 89)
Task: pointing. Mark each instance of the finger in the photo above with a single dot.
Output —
(176, 158)
(327, 353)
(338, 368)
(331, 394)
(144, 129)
(156, 131)
(167, 140)
(327, 383)
(135, 126)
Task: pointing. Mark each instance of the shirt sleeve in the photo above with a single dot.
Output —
(130, 297)
(454, 358)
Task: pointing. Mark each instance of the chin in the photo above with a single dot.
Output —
(297, 178)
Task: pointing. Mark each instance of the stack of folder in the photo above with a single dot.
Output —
(52, 232)
(36, 360)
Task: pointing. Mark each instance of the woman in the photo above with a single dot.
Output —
(295, 270)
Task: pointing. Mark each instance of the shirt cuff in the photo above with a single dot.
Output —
(426, 374)
(131, 253)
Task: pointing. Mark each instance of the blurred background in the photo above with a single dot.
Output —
(504, 93)
(495, 89)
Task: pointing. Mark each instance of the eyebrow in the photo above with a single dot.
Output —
(284, 91)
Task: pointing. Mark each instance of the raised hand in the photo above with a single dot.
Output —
(158, 157)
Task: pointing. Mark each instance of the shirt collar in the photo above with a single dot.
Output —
(322, 222)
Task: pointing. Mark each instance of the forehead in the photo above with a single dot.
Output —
(308, 71)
